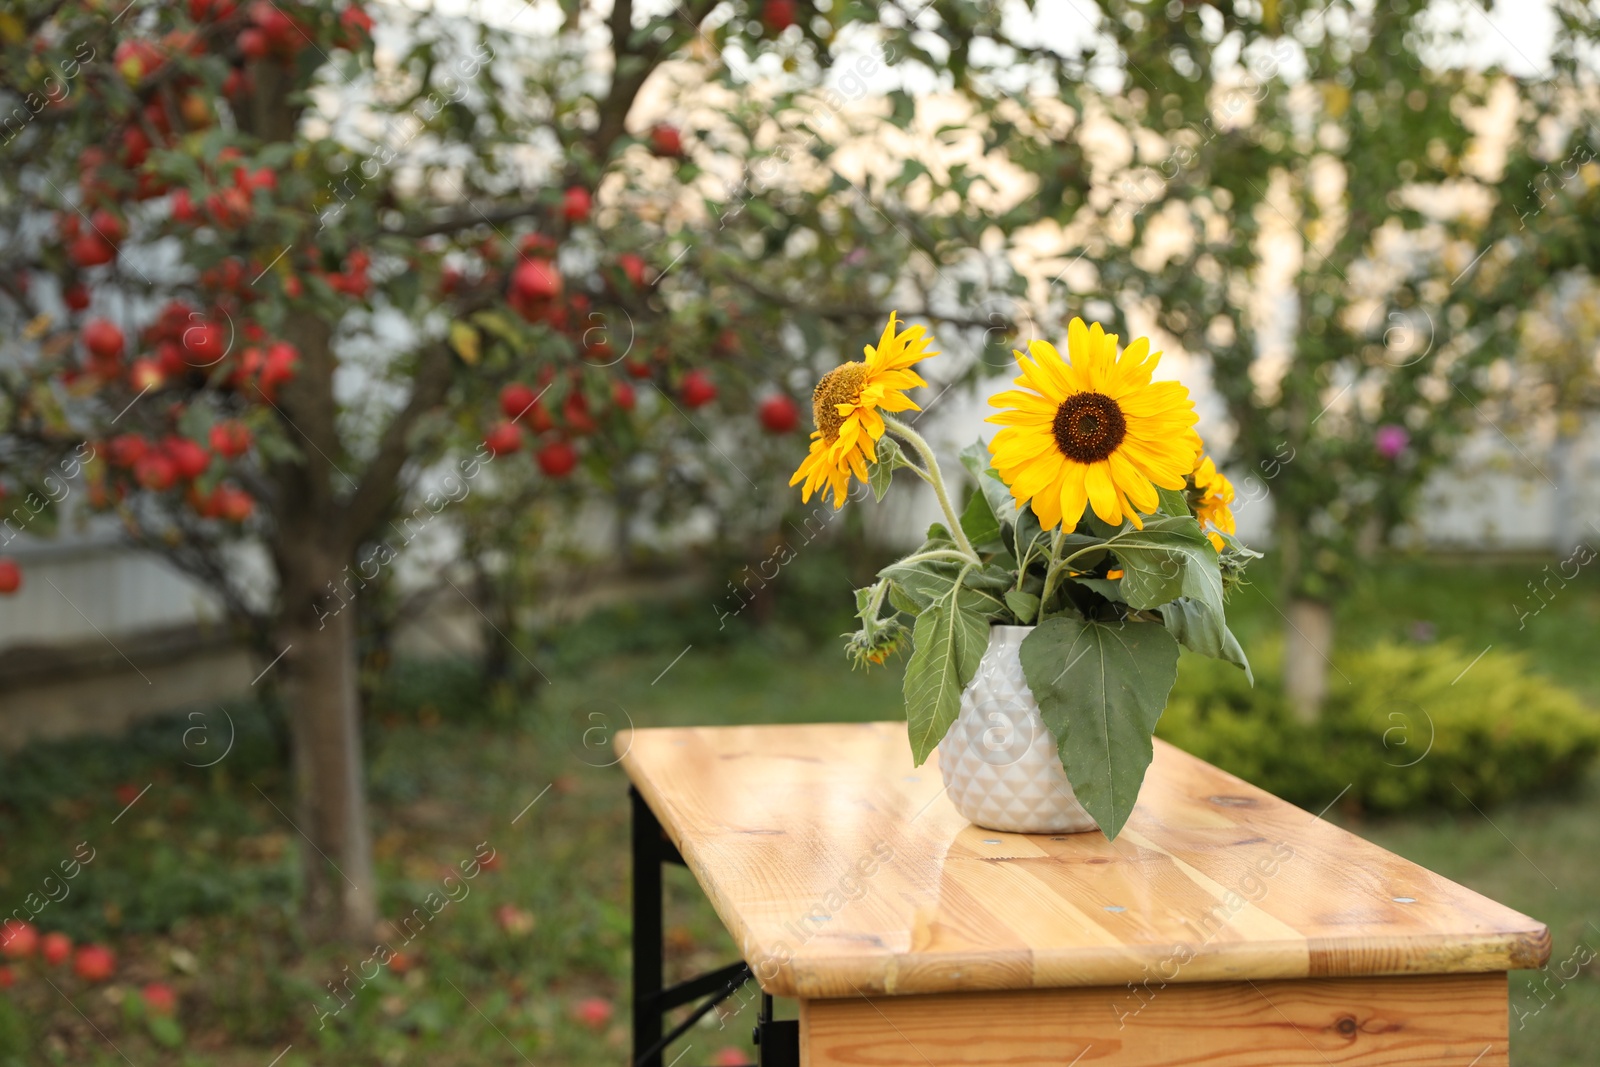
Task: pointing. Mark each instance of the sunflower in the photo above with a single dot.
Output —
(1093, 430)
(846, 403)
(1215, 506)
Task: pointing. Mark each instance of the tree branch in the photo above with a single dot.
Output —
(379, 483)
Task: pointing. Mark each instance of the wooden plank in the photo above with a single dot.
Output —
(1420, 1021)
(841, 869)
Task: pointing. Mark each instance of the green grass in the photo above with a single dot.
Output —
(193, 886)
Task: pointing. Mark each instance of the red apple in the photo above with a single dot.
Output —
(539, 418)
(234, 504)
(159, 999)
(503, 439)
(108, 226)
(697, 389)
(201, 10)
(169, 357)
(536, 279)
(281, 363)
(593, 1012)
(184, 210)
(229, 207)
(103, 340)
(516, 399)
(135, 147)
(126, 449)
(55, 947)
(238, 82)
(400, 963)
(253, 44)
(136, 59)
(155, 113)
(76, 296)
(356, 22)
(205, 342)
(90, 250)
(230, 438)
(575, 414)
(665, 140)
(195, 109)
(18, 940)
(778, 14)
(188, 457)
(513, 920)
(8, 978)
(637, 368)
(779, 414)
(155, 472)
(623, 396)
(94, 963)
(633, 268)
(283, 34)
(557, 459)
(576, 204)
(145, 374)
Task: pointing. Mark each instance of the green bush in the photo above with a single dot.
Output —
(1402, 728)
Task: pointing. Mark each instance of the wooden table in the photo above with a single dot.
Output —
(1222, 927)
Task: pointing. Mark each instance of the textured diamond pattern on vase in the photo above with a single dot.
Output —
(999, 760)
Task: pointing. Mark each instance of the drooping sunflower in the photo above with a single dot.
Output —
(846, 405)
(1214, 509)
(1092, 430)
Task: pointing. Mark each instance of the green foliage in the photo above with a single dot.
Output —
(1399, 729)
(950, 636)
(1101, 688)
(1100, 663)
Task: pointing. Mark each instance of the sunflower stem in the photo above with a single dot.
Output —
(1053, 567)
(937, 553)
(936, 479)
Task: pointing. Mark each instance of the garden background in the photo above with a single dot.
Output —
(398, 401)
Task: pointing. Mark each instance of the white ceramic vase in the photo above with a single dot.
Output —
(999, 759)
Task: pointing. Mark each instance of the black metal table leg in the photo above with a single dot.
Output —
(648, 975)
(778, 1042)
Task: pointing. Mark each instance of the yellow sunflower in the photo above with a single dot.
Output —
(1092, 430)
(1215, 506)
(846, 403)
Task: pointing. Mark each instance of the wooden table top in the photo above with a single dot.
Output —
(841, 870)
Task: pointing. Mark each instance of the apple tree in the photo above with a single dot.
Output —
(274, 277)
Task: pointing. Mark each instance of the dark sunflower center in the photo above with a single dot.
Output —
(1088, 427)
(842, 385)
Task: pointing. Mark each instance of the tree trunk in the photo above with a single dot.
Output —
(319, 594)
(1567, 458)
(1308, 628)
(325, 727)
(1307, 647)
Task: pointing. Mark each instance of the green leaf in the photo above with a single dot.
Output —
(1023, 605)
(921, 583)
(1200, 630)
(464, 339)
(1169, 558)
(975, 457)
(1174, 502)
(1101, 688)
(978, 521)
(501, 326)
(991, 579)
(1110, 588)
(166, 1031)
(890, 459)
(949, 641)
